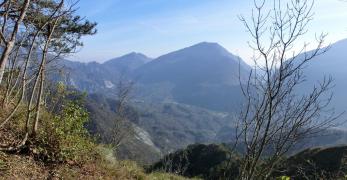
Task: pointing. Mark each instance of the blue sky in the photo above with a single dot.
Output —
(156, 27)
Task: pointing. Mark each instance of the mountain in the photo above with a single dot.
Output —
(178, 97)
(126, 63)
(89, 77)
(137, 145)
(317, 163)
(95, 77)
(204, 75)
(164, 127)
(188, 96)
(333, 63)
(172, 126)
(200, 161)
(204, 63)
(220, 162)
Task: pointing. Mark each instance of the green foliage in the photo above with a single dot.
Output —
(218, 162)
(315, 163)
(69, 29)
(21, 167)
(63, 136)
(165, 176)
(283, 178)
(204, 161)
(69, 127)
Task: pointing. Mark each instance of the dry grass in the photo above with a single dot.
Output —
(100, 164)
(20, 167)
(24, 167)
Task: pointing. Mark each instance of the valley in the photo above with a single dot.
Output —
(181, 99)
(173, 90)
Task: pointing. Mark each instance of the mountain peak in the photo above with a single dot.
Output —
(340, 45)
(205, 48)
(127, 62)
(133, 56)
(202, 50)
(207, 45)
(136, 54)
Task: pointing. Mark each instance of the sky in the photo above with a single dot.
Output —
(157, 27)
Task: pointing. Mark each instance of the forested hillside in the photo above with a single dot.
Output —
(199, 112)
(43, 122)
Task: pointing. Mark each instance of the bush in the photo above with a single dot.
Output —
(199, 160)
(63, 136)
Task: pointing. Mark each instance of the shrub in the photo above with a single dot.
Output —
(63, 136)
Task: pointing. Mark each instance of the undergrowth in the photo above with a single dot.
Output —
(63, 148)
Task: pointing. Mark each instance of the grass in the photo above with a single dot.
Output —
(62, 149)
(25, 167)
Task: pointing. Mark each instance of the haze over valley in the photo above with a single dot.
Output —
(173, 90)
(193, 95)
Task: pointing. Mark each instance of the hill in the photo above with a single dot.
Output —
(203, 161)
(25, 167)
(159, 128)
(137, 145)
(317, 163)
(126, 63)
(204, 75)
(96, 77)
(332, 63)
(181, 97)
(218, 162)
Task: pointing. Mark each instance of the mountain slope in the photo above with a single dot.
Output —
(205, 75)
(173, 126)
(203, 63)
(137, 145)
(95, 77)
(160, 127)
(126, 63)
(317, 163)
(332, 63)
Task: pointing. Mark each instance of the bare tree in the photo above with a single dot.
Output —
(276, 116)
(124, 93)
(175, 163)
(122, 128)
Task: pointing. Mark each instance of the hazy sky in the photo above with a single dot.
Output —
(156, 27)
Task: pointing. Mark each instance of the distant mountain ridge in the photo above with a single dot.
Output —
(204, 75)
(95, 77)
(332, 64)
(179, 95)
(189, 64)
(127, 63)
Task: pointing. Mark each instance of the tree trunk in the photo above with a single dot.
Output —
(10, 44)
